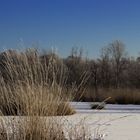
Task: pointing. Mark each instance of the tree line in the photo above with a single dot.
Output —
(113, 69)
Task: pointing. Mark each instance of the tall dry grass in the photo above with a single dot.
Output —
(121, 96)
(30, 85)
(43, 128)
(31, 128)
(116, 96)
(32, 89)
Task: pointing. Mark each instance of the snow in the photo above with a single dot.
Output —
(115, 122)
(116, 126)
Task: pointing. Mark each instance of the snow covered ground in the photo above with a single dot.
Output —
(115, 122)
(116, 126)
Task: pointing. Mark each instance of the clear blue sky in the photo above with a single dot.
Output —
(90, 24)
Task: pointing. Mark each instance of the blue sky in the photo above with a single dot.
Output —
(62, 24)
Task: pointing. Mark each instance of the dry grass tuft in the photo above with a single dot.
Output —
(32, 128)
(31, 85)
(32, 89)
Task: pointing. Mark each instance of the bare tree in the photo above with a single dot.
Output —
(105, 68)
(117, 51)
(94, 77)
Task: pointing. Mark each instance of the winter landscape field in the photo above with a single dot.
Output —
(115, 122)
(69, 70)
(40, 101)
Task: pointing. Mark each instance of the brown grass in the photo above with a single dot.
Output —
(32, 87)
(34, 92)
(117, 96)
(32, 128)
(42, 128)
(122, 96)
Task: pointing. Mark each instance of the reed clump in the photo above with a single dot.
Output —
(31, 85)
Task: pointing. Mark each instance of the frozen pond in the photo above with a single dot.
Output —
(115, 122)
(85, 107)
